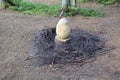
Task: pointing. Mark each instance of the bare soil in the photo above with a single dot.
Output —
(18, 30)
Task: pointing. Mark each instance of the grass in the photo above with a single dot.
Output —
(35, 8)
(2, 6)
(105, 2)
(83, 11)
(42, 9)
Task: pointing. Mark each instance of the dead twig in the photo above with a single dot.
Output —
(61, 13)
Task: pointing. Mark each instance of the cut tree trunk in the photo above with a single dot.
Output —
(1, 2)
(66, 4)
(74, 3)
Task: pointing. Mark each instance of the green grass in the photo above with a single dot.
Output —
(42, 9)
(2, 6)
(105, 2)
(35, 8)
(84, 1)
(83, 11)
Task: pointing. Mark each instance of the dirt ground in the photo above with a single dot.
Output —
(18, 30)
